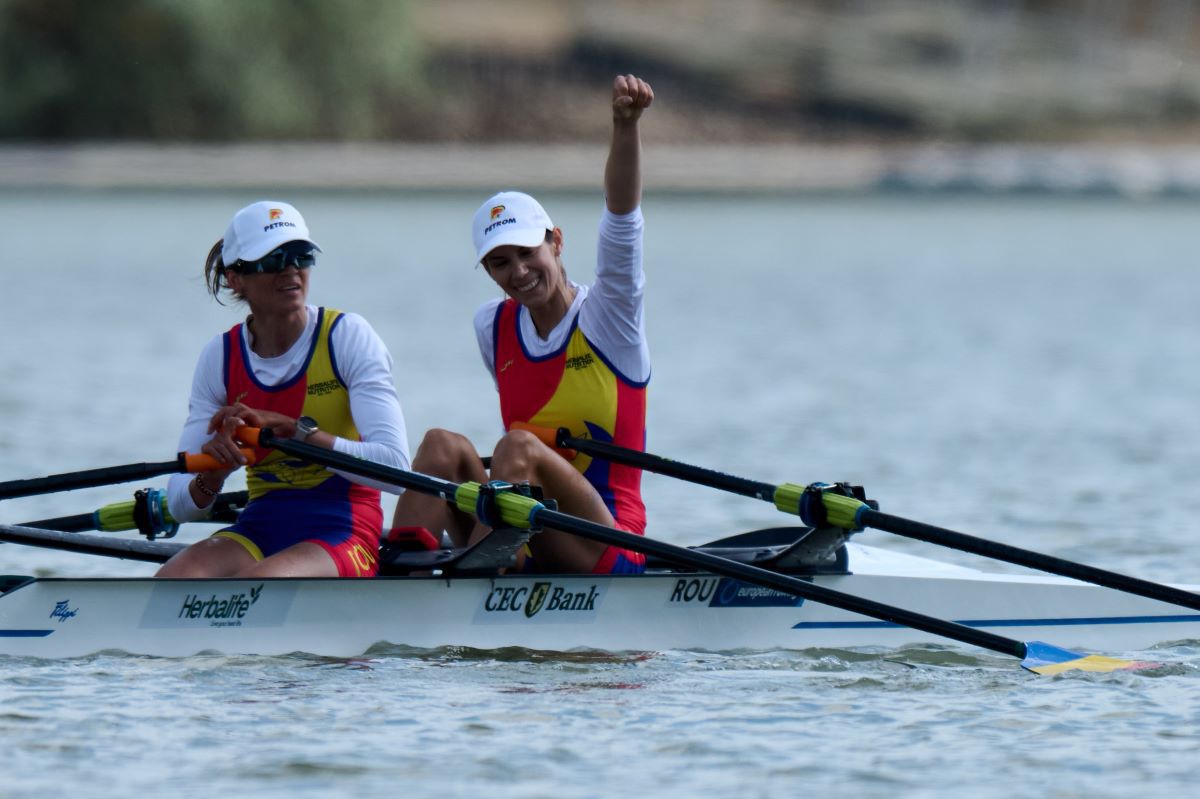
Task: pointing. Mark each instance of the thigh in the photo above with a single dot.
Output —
(217, 556)
(519, 459)
(306, 559)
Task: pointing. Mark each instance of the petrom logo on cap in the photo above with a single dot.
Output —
(497, 210)
(274, 213)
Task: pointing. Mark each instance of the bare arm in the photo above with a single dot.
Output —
(623, 172)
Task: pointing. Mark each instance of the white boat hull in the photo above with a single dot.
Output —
(55, 618)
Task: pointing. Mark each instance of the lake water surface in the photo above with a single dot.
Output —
(1019, 368)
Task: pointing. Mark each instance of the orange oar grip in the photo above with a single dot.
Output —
(546, 436)
(247, 435)
(202, 462)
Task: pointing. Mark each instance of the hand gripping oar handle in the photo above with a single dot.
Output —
(525, 512)
(816, 506)
(183, 462)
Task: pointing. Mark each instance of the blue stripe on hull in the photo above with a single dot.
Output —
(1075, 622)
(24, 633)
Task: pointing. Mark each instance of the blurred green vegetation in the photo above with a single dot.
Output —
(538, 70)
(204, 69)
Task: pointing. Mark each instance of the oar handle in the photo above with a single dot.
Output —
(549, 437)
(90, 478)
(192, 462)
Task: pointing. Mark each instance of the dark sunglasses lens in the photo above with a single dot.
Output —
(302, 256)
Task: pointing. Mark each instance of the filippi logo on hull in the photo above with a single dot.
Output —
(217, 604)
(722, 592)
(547, 602)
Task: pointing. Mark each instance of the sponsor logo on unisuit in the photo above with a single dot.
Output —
(580, 361)
(323, 388)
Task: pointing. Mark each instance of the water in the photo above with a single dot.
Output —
(1016, 368)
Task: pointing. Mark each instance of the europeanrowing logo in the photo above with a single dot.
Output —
(722, 592)
(497, 210)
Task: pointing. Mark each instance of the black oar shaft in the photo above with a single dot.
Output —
(148, 551)
(780, 582)
(88, 479)
(676, 554)
(1028, 558)
(660, 465)
(894, 524)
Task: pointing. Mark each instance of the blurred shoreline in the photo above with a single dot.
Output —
(1134, 170)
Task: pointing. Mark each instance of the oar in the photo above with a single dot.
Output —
(183, 462)
(129, 549)
(119, 516)
(817, 505)
(518, 510)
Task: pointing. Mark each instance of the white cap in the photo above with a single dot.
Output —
(261, 227)
(509, 217)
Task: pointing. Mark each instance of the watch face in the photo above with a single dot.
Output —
(306, 426)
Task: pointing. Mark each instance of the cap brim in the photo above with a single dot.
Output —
(519, 238)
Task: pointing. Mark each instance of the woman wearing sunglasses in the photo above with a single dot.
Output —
(313, 374)
(562, 355)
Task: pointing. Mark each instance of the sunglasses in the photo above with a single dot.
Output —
(299, 254)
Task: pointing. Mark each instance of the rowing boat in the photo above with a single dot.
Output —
(666, 608)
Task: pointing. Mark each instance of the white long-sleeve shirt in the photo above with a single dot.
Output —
(364, 363)
(610, 311)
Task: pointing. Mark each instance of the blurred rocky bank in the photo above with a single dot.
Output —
(1090, 96)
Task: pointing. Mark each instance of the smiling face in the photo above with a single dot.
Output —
(533, 276)
(272, 294)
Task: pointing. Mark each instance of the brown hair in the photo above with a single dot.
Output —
(214, 273)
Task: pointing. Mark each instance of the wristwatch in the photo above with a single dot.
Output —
(305, 427)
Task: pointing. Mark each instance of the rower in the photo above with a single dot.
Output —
(561, 354)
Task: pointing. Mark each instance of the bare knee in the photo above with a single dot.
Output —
(444, 453)
(516, 455)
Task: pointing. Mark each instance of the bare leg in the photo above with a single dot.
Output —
(520, 456)
(305, 559)
(449, 456)
(212, 557)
